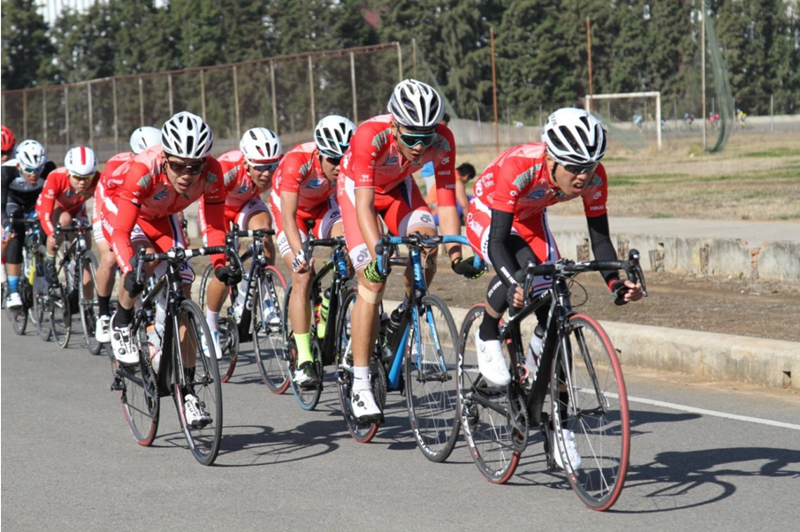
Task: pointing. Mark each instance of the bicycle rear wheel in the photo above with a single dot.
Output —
(141, 404)
(204, 384)
(19, 316)
(494, 443)
(592, 402)
(361, 432)
(269, 333)
(228, 331)
(59, 315)
(37, 315)
(307, 398)
(89, 306)
(431, 387)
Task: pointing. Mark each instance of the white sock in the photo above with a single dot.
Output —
(212, 318)
(361, 381)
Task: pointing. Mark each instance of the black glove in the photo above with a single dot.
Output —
(466, 268)
(130, 284)
(619, 289)
(227, 275)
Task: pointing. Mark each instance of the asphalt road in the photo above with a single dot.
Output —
(69, 462)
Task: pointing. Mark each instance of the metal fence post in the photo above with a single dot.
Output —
(772, 112)
(203, 93)
(169, 85)
(274, 101)
(541, 123)
(91, 120)
(141, 102)
(400, 61)
(25, 114)
(236, 103)
(44, 115)
(116, 118)
(353, 83)
(311, 87)
(66, 114)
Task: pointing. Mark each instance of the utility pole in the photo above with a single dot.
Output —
(703, 68)
(589, 54)
(494, 93)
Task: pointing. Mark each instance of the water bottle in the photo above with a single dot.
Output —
(71, 271)
(535, 348)
(161, 313)
(391, 328)
(154, 342)
(323, 313)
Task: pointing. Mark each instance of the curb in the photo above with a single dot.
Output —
(761, 362)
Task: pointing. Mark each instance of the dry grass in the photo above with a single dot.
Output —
(757, 177)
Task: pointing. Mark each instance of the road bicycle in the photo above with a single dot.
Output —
(418, 358)
(255, 304)
(166, 357)
(32, 274)
(578, 374)
(77, 271)
(323, 346)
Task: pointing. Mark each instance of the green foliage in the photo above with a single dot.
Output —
(26, 48)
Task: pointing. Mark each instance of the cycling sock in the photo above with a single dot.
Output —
(303, 342)
(104, 305)
(490, 328)
(123, 317)
(13, 283)
(212, 318)
(361, 378)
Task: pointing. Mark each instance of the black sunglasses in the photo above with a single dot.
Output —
(580, 169)
(183, 169)
(412, 139)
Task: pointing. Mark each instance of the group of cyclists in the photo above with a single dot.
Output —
(350, 181)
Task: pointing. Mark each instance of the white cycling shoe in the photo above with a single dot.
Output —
(102, 331)
(573, 455)
(196, 415)
(13, 300)
(491, 362)
(364, 406)
(217, 346)
(122, 344)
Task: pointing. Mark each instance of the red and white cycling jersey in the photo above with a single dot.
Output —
(300, 172)
(518, 181)
(58, 192)
(112, 178)
(147, 195)
(373, 160)
(239, 186)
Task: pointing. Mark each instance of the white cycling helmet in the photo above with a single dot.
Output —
(573, 136)
(416, 105)
(144, 137)
(333, 134)
(260, 145)
(31, 154)
(186, 135)
(81, 161)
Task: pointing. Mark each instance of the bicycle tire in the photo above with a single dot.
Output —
(37, 316)
(269, 340)
(594, 406)
(139, 398)
(90, 308)
(361, 432)
(19, 316)
(204, 441)
(228, 331)
(59, 315)
(489, 436)
(204, 286)
(307, 398)
(431, 387)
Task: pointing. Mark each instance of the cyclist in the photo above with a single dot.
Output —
(162, 181)
(21, 186)
(507, 222)
(741, 116)
(8, 142)
(246, 173)
(688, 118)
(376, 180)
(63, 199)
(305, 187)
(112, 177)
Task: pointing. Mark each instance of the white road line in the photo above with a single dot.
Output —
(714, 413)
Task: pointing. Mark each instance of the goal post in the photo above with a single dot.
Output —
(627, 95)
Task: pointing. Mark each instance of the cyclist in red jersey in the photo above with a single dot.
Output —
(304, 191)
(247, 173)
(376, 180)
(507, 225)
(162, 181)
(63, 199)
(8, 142)
(112, 178)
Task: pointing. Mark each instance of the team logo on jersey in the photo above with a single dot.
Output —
(160, 195)
(314, 184)
(536, 194)
(524, 179)
(243, 189)
(211, 178)
(598, 195)
(478, 189)
(446, 160)
(390, 161)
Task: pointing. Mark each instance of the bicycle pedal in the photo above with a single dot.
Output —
(117, 385)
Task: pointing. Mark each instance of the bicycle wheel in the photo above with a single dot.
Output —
(207, 273)
(89, 306)
(59, 315)
(591, 401)
(494, 443)
(205, 384)
(361, 432)
(141, 404)
(307, 398)
(270, 337)
(228, 332)
(431, 388)
(37, 315)
(19, 316)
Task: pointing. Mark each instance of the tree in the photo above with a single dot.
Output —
(85, 44)
(26, 48)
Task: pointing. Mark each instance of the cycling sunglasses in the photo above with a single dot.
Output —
(412, 139)
(580, 169)
(184, 169)
(81, 177)
(269, 167)
(335, 161)
(29, 171)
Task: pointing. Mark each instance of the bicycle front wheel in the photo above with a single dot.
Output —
(38, 314)
(590, 401)
(141, 404)
(494, 443)
(269, 330)
(19, 316)
(194, 342)
(431, 387)
(88, 304)
(60, 315)
(228, 331)
(307, 398)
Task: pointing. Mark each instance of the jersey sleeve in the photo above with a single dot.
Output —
(288, 175)
(213, 206)
(594, 201)
(137, 186)
(445, 167)
(6, 174)
(510, 181)
(361, 158)
(46, 203)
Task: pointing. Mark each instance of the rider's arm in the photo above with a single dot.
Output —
(502, 259)
(594, 204)
(6, 180)
(213, 205)
(445, 167)
(289, 202)
(45, 205)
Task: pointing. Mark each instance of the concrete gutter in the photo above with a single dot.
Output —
(761, 362)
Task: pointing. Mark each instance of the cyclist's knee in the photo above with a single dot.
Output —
(369, 292)
(301, 281)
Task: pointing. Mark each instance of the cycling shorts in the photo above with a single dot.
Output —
(240, 217)
(403, 210)
(324, 216)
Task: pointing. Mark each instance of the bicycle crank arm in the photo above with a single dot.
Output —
(438, 377)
